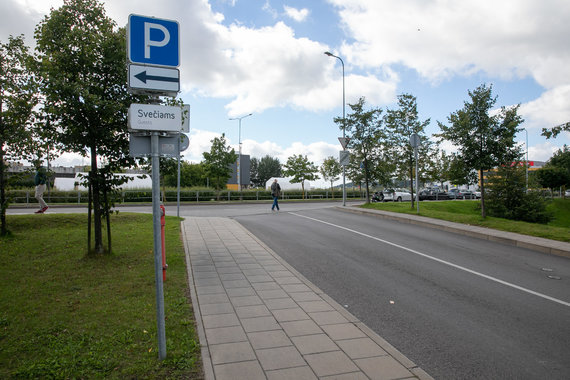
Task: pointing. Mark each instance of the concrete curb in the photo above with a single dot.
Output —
(548, 246)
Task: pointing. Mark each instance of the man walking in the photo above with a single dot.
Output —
(40, 181)
(275, 192)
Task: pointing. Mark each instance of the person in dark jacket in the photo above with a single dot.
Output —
(275, 192)
(40, 181)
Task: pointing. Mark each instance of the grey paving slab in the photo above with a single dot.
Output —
(258, 318)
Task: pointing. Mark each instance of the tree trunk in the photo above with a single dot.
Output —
(483, 212)
(366, 179)
(89, 204)
(96, 203)
(3, 205)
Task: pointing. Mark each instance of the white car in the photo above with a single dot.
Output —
(397, 195)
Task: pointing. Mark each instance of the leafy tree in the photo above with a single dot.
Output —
(440, 166)
(365, 130)
(331, 170)
(301, 169)
(509, 198)
(484, 141)
(217, 163)
(17, 99)
(82, 60)
(191, 175)
(555, 131)
(268, 167)
(401, 124)
(556, 172)
(254, 172)
(458, 173)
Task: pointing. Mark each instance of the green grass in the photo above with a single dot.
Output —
(66, 315)
(469, 212)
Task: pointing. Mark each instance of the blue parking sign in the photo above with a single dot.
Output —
(153, 41)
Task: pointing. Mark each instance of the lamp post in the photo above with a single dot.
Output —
(343, 127)
(239, 149)
(526, 144)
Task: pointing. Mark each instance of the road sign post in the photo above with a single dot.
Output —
(153, 48)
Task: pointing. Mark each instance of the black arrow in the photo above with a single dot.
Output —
(143, 78)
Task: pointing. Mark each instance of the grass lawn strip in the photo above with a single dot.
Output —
(64, 314)
(469, 212)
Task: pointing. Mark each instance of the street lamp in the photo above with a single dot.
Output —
(239, 149)
(343, 127)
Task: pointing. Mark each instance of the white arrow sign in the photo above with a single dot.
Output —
(149, 79)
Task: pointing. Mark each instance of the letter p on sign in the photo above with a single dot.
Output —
(153, 41)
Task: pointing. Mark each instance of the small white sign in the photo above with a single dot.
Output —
(151, 117)
(344, 157)
(154, 79)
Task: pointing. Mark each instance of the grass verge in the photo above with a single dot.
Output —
(469, 212)
(66, 315)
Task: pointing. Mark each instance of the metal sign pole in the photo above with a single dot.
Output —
(157, 245)
(178, 178)
(417, 181)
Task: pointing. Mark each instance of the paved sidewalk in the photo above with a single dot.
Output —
(258, 318)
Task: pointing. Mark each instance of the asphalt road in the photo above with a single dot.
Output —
(459, 307)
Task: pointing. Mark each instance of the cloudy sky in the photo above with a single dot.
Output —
(265, 57)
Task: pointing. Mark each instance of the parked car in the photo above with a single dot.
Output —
(397, 195)
(433, 194)
(477, 194)
(468, 194)
(455, 194)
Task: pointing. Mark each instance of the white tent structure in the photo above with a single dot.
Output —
(286, 184)
(135, 183)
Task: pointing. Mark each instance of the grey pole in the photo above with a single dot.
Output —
(417, 180)
(343, 127)
(154, 139)
(239, 149)
(526, 143)
(178, 178)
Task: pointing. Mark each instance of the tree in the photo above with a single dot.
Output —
(556, 172)
(18, 97)
(331, 170)
(254, 171)
(401, 124)
(510, 199)
(458, 173)
(301, 169)
(191, 175)
(217, 163)
(268, 167)
(555, 131)
(439, 167)
(364, 128)
(484, 141)
(82, 60)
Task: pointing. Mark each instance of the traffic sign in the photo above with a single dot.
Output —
(415, 140)
(152, 117)
(344, 141)
(153, 41)
(139, 146)
(344, 157)
(150, 79)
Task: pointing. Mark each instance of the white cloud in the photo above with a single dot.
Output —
(509, 39)
(542, 152)
(549, 110)
(298, 15)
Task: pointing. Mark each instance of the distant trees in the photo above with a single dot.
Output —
(401, 124)
(367, 137)
(484, 141)
(330, 170)
(217, 163)
(556, 172)
(301, 169)
(262, 170)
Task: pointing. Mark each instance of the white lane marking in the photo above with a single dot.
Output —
(439, 260)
